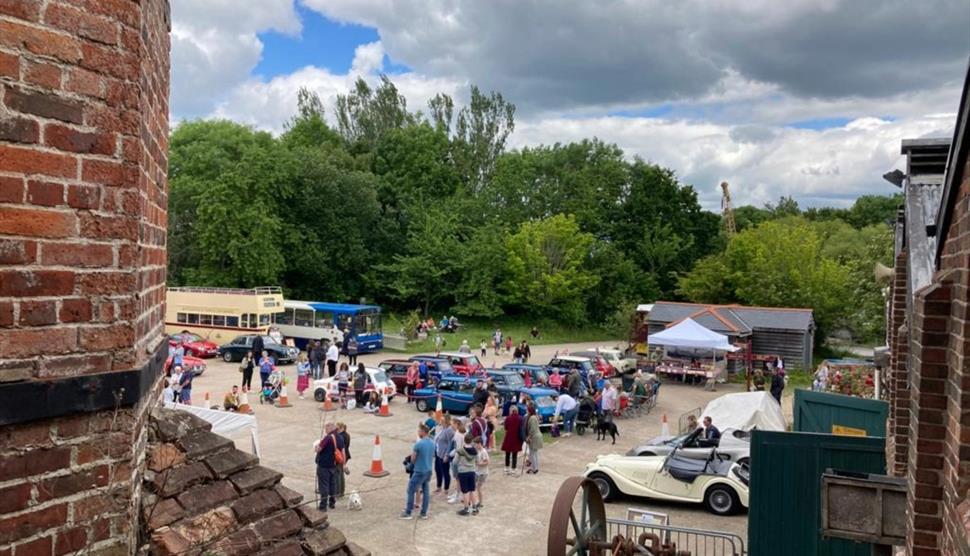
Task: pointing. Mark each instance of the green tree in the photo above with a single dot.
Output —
(309, 127)
(365, 115)
(483, 266)
(547, 274)
(481, 130)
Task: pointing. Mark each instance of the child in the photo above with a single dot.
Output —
(467, 456)
(457, 439)
(373, 401)
(483, 348)
(508, 344)
(482, 460)
(343, 382)
(431, 423)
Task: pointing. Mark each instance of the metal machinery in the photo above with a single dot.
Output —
(578, 526)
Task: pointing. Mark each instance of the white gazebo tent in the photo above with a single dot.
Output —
(688, 334)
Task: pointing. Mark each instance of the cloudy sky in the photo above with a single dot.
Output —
(808, 98)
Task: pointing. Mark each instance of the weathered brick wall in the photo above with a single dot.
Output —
(955, 266)
(83, 185)
(897, 441)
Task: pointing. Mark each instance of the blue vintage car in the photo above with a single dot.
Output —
(544, 398)
(537, 373)
(456, 391)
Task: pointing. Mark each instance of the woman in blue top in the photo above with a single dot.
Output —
(265, 368)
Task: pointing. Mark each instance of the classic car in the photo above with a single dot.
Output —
(456, 395)
(566, 363)
(193, 344)
(375, 376)
(601, 365)
(397, 371)
(507, 382)
(734, 445)
(618, 359)
(197, 365)
(537, 374)
(464, 363)
(237, 348)
(719, 484)
(437, 365)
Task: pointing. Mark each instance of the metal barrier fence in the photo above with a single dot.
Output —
(698, 541)
(396, 343)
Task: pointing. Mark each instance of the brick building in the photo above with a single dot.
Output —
(83, 195)
(928, 334)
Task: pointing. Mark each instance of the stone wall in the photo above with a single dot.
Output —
(897, 436)
(83, 185)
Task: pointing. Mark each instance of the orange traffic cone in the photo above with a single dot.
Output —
(283, 400)
(385, 409)
(244, 406)
(664, 427)
(439, 410)
(328, 403)
(377, 463)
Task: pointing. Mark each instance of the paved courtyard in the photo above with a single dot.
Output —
(516, 510)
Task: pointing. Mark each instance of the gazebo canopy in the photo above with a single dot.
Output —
(688, 334)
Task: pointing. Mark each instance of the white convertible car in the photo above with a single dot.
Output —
(375, 376)
(734, 445)
(720, 485)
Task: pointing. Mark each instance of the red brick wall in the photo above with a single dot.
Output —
(955, 266)
(83, 196)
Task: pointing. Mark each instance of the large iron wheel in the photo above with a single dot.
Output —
(577, 525)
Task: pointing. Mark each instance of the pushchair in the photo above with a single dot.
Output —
(271, 388)
(586, 418)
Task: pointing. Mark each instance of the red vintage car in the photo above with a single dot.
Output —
(194, 345)
(599, 362)
(188, 362)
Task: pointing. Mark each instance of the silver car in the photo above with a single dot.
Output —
(734, 445)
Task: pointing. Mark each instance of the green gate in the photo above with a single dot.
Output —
(786, 469)
(839, 414)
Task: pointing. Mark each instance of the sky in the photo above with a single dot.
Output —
(802, 98)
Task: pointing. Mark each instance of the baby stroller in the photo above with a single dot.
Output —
(271, 388)
(586, 418)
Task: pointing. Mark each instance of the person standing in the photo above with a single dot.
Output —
(483, 349)
(482, 461)
(464, 347)
(257, 347)
(185, 386)
(352, 348)
(265, 368)
(512, 443)
(610, 402)
(777, 384)
(333, 354)
(317, 355)
(411, 381)
(467, 457)
(302, 375)
(533, 439)
(178, 357)
(443, 441)
(343, 383)
(360, 382)
(326, 459)
(568, 407)
(341, 468)
(422, 457)
(526, 352)
(246, 367)
(517, 354)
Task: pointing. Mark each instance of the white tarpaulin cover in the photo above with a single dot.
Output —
(745, 411)
(688, 334)
(224, 423)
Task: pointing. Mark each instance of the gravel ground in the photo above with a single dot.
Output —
(516, 510)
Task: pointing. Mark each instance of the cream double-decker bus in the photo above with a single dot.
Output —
(221, 314)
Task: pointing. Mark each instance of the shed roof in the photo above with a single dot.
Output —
(736, 320)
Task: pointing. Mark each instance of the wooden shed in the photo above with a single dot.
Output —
(782, 331)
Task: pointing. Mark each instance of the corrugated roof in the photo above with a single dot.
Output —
(733, 319)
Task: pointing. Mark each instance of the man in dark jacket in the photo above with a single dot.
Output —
(317, 355)
(327, 466)
(480, 396)
(777, 384)
(258, 347)
(572, 383)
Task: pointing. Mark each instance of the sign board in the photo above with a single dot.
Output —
(848, 431)
(647, 517)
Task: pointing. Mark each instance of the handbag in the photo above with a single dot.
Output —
(338, 455)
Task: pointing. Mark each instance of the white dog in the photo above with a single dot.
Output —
(354, 502)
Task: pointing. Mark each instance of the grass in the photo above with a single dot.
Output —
(476, 330)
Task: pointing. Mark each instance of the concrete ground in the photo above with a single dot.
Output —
(516, 510)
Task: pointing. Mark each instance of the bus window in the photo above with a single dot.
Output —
(286, 317)
(264, 320)
(193, 318)
(368, 323)
(205, 319)
(218, 320)
(345, 322)
(323, 319)
(249, 320)
(303, 317)
(181, 317)
(232, 321)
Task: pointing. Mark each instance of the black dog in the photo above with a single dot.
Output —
(604, 427)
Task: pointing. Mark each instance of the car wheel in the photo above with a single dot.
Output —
(745, 462)
(422, 405)
(606, 485)
(319, 395)
(721, 500)
(646, 454)
(227, 357)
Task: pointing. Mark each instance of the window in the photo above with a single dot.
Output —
(322, 319)
(286, 317)
(205, 319)
(248, 320)
(232, 321)
(193, 318)
(264, 320)
(240, 341)
(303, 317)
(346, 322)
(218, 320)
(180, 317)
(252, 320)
